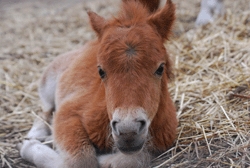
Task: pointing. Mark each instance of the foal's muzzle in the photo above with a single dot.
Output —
(129, 130)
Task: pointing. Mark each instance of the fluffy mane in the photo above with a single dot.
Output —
(131, 13)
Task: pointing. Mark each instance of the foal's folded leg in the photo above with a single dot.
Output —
(39, 154)
(33, 150)
(72, 140)
(40, 129)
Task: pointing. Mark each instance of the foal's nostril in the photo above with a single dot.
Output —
(128, 127)
(114, 126)
(142, 125)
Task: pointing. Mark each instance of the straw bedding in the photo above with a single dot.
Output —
(211, 88)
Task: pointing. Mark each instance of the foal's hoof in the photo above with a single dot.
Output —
(25, 148)
(20, 146)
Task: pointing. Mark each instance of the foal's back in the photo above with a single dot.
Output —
(82, 59)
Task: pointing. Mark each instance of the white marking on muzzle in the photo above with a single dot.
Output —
(131, 120)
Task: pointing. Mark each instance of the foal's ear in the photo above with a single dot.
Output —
(163, 20)
(97, 22)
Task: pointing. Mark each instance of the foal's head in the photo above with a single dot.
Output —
(133, 65)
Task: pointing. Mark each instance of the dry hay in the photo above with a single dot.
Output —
(211, 88)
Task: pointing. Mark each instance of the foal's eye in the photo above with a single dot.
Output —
(160, 70)
(101, 72)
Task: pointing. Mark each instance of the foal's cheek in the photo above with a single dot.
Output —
(153, 104)
(110, 110)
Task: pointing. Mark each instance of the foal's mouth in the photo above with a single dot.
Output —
(129, 150)
(129, 143)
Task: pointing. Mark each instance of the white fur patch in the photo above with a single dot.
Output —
(39, 154)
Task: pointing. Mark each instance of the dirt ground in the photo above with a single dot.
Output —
(211, 86)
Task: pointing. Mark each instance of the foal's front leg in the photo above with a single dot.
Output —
(72, 140)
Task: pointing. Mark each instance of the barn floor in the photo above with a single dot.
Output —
(211, 88)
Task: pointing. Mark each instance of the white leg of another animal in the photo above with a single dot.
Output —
(210, 9)
(120, 160)
(219, 8)
(39, 154)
